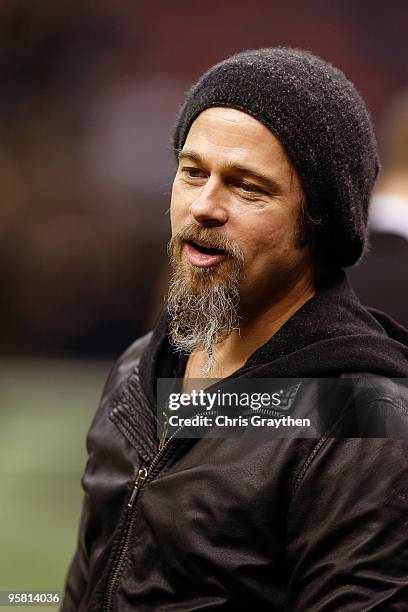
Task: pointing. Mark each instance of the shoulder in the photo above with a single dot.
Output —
(380, 406)
(365, 415)
(127, 362)
(367, 406)
(121, 370)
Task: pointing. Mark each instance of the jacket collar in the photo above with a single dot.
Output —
(329, 335)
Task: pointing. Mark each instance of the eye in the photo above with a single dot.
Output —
(250, 188)
(192, 172)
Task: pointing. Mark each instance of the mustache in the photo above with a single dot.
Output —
(207, 237)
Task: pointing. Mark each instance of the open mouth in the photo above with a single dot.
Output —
(206, 250)
(202, 256)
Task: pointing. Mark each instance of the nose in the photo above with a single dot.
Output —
(208, 209)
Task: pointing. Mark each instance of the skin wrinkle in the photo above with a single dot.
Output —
(213, 191)
(303, 100)
(272, 186)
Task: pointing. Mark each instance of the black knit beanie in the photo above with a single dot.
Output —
(322, 121)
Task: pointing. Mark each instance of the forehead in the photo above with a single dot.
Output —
(237, 137)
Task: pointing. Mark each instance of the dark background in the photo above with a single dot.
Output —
(89, 94)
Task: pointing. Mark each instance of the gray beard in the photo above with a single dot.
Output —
(203, 304)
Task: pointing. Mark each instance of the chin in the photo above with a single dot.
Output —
(208, 276)
(199, 278)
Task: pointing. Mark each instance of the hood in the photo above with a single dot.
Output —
(330, 335)
(333, 334)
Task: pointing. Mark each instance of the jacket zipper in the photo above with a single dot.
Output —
(140, 480)
(141, 477)
(165, 430)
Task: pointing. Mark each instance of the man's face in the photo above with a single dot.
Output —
(235, 210)
(236, 182)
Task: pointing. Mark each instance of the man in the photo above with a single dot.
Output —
(276, 163)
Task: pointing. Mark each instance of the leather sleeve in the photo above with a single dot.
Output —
(348, 528)
(78, 574)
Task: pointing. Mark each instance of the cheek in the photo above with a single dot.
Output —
(178, 210)
(267, 235)
(268, 240)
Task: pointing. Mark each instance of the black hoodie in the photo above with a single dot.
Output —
(330, 335)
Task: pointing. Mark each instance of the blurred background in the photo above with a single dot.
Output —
(89, 93)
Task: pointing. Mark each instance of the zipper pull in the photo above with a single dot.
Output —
(162, 441)
(141, 477)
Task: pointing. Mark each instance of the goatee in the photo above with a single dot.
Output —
(203, 302)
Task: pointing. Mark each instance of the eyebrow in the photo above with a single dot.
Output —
(271, 184)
